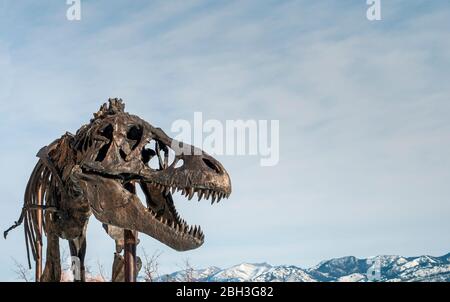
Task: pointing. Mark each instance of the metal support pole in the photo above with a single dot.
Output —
(130, 238)
(39, 242)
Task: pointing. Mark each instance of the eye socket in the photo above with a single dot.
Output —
(135, 133)
(107, 131)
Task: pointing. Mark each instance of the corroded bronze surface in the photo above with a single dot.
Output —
(96, 171)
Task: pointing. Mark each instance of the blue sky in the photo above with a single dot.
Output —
(363, 109)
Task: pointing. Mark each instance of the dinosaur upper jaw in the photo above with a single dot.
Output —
(198, 174)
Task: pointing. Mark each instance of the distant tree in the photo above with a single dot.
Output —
(22, 272)
(188, 272)
(101, 276)
(151, 266)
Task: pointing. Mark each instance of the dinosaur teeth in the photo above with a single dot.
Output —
(200, 233)
(200, 195)
(191, 193)
(167, 191)
(177, 224)
(191, 230)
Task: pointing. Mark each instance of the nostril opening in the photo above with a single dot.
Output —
(211, 165)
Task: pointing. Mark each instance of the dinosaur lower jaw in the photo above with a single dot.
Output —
(136, 217)
(162, 207)
(113, 202)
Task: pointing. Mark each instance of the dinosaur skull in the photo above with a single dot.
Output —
(113, 155)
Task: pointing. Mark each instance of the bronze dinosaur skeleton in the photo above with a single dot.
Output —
(97, 170)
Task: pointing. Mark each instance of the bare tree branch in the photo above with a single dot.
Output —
(22, 272)
(188, 271)
(151, 266)
(101, 271)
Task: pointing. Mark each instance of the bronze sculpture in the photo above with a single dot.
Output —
(96, 172)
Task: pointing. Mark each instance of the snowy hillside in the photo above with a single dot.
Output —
(345, 269)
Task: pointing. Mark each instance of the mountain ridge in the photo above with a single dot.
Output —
(383, 268)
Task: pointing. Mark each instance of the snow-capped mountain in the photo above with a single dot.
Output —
(241, 272)
(191, 275)
(284, 273)
(345, 269)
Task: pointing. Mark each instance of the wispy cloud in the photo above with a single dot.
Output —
(363, 110)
